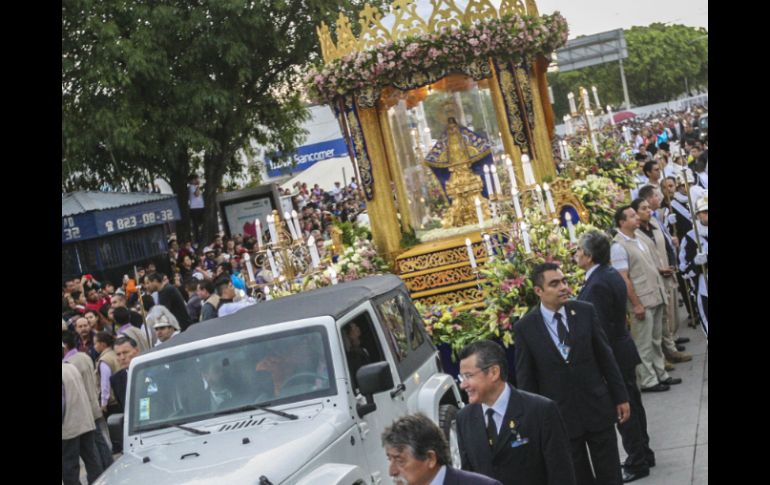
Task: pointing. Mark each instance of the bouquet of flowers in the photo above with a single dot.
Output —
(359, 260)
(510, 292)
(446, 324)
(601, 197)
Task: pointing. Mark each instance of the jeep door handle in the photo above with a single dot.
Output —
(398, 390)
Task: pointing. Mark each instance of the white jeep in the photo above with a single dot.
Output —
(296, 390)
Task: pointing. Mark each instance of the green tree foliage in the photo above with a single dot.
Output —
(167, 87)
(660, 59)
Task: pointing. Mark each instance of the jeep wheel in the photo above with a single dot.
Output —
(447, 420)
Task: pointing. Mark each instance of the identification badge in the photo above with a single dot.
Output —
(564, 350)
(519, 442)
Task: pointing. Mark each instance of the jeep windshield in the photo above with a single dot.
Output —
(271, 370)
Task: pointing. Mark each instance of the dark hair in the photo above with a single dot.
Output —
(620, 214)
(646, 192)
(105, 338)
(221, 283)
(537, 273)
(648, 166)
(664, 146)
(76, 295)
(421, 435)
(191, 284)
(126, 339)
(156, 276)
(595, 245)
(207, 285)
(488, 353)
(121, 315)
(68, 339)
(637, 202)
(226, 267)
(147, 302)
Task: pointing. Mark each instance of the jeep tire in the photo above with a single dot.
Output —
(447, 421)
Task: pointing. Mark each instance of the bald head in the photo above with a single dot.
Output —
(82, 327)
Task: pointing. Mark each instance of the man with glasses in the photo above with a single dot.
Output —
(563, 354)
(504, 433)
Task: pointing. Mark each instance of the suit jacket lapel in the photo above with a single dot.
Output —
(512, 414)
(574, 327)
(545, 336)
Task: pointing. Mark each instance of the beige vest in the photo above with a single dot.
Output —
(85, 366)
(109, 357)
(643, 270)
(78, 418)
(214, 301)
(660, 246)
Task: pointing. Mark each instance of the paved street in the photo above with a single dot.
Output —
(678, 421)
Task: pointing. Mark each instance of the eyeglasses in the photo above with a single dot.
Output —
(468, 375)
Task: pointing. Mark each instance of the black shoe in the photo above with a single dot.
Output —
(630, 477)
(681, 340)
(680, 348)
(659, 387)
(671, 381)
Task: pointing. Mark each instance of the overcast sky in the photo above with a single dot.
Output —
(586, 17)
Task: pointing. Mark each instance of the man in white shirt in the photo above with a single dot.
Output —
(634, 256)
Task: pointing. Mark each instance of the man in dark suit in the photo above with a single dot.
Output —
(606, 290)
(126, 349)
(510, 435)
(562, 353)
(419, 455)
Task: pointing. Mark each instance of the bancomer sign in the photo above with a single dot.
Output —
(306, 156)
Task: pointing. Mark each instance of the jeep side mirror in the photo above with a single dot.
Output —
(372, 379)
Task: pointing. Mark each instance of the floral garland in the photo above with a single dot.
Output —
(601, 197)
(457, 328)
(360, 260)
(510, 37)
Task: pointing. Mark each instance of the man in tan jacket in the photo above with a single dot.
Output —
(77, 429)
(634, 257)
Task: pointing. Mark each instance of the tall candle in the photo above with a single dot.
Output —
(479, 214)
(316, 260)
(550, 198)
(292, 229)
(516, 205)
(612, 118)
(469, 247)
(571, 99)
(273, 267)
(297, 227)
(249, 268)
(626, 134)
(258, 228)
(271, 229)
(596, 97)
(561, 150)
(584, 96)
(566, 149)
(488, 245)
(539, 193)
(525, 237)
(511, 175)
(495, 180)
(529, 176)
(268, 297)
(593, 143)
(333, 275)
(568, 124)
(570, 228)
(488, 182)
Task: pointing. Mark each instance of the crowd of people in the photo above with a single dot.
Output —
(654, 270)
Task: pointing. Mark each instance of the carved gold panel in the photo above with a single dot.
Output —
(466, 295)
(439, 259)
(439, 279)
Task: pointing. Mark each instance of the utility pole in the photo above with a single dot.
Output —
(625, 85)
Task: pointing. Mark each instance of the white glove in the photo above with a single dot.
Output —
(672, 218)
(701, 258)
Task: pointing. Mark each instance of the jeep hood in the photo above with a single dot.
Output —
(275, 448)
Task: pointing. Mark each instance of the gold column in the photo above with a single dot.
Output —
(543, 165)
(502, 122)
(382, 211)
(397, 175)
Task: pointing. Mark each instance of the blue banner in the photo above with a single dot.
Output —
(306, 156)
(90, 225)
